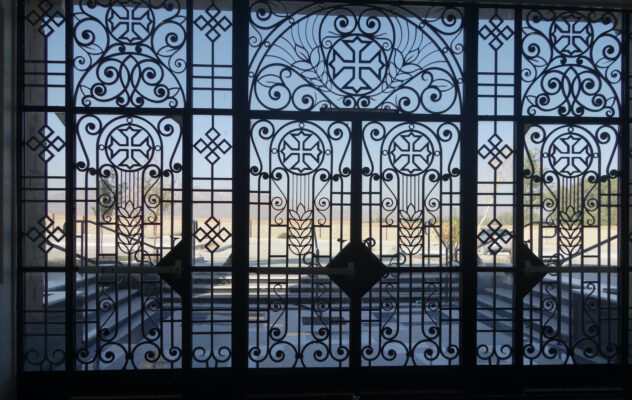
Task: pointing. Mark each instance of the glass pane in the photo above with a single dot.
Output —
(44, 52)
(212, 54)
(496, 86)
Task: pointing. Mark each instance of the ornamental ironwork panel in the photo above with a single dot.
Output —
(571, 63)
(348, 235)
(126, 321)
(212, 69)
(572, 318)
(128, 177)
(571, 194)
(129, 53)
(299, 205)
(43, 77)
(495, 247)
(411, 181)
(212, 190)
(300, 192)
(412, 319)
(571, 201)
(212, 210)
(297, 321)
(411, 175)
(495, 194)
(496, 69)
(310, 56)
(43, 240)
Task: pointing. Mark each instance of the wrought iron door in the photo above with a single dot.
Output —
(330, 191)
(228, 188)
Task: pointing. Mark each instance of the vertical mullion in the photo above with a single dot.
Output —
(18, 140)
(355, 336)
(624, 192)
(70, 193)
(518, 192)
(240, 194)
(187, 197)
(468, 192)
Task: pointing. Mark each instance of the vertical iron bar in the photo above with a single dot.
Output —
(356, 237)
(468, 192)
(187, 197)
(18, 139)
(70, 193)
(241, 162)
(624, 190)
(518, 191)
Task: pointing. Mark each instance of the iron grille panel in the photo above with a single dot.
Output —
(179, 209)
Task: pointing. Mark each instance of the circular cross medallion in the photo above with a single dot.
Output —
(571, 34)
(356, 64)
(411, 153)
(129, 147)
(570, 155)
(129, 22)
(301, 152)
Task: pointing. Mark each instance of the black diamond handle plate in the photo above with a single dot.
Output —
(355, 269)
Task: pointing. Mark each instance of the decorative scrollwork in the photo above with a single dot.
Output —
(299, 188)
(132, 167)
(571, 173)
(300, 165)
(130, 53)
(569, 167)
(569, 329)
(402, 58)
(428, 338)
(571, 63)
(408, 167)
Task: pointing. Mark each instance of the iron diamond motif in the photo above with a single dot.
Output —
(356, 269)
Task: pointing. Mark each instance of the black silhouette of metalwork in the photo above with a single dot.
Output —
(571, 172)
(480, 153)
(131, 165)
(46, 18)
(299, 180)
(571, 63)
(411, 174)
(46, 234)
(130, 53)
(313, 56)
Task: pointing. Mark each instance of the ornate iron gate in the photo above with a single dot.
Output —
(290, 184)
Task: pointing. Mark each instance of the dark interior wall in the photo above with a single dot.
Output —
(7, 198)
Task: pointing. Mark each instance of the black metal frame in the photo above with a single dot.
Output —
(241, 381)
